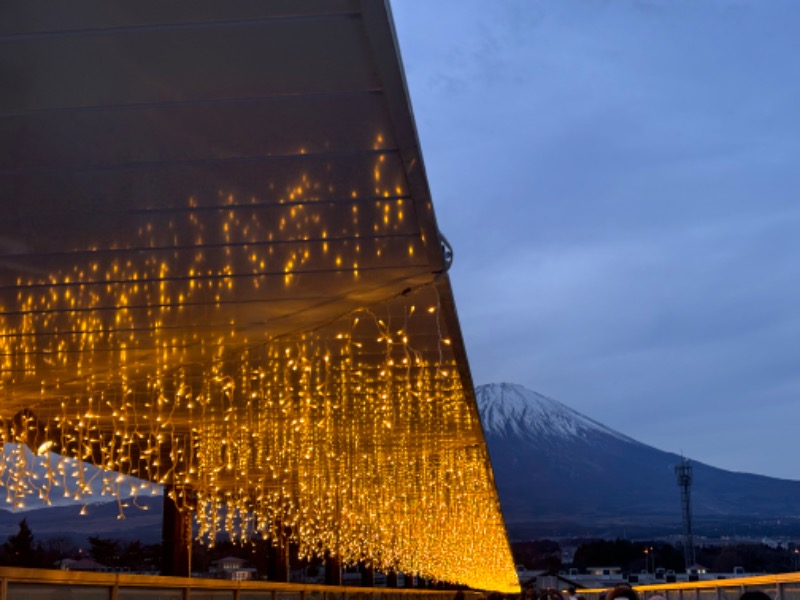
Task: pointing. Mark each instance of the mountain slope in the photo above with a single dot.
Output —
(142, 521)
(559, 472)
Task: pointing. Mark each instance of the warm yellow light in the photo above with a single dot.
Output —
(44, 447)
(357, 437)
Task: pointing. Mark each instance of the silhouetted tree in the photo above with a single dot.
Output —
(754, 558)
(668, 557)
(537, 554)
(607, 553)
(57, 548)
(20, 551)
(627, 555)
(106, 551)
(139, 557)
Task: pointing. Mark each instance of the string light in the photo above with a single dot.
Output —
(355, 436)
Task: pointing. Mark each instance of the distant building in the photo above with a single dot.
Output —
(542, 579)
(233, 568)
(605, 572)
(83, 564)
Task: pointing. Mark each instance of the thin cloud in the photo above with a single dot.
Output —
(619, 182)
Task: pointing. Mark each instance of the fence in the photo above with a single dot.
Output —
(40, 584)
(778, 587)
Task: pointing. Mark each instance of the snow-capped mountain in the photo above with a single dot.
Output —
(142, 521)
(559, 472)
(510, 409)
(62, 488)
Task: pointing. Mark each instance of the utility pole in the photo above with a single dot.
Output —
(683, 473)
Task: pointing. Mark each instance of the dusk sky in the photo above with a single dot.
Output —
(619, 181)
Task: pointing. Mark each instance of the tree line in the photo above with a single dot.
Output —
(634, 557)
(23, 550)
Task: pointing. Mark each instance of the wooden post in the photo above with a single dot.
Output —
(408, 580)
(367, 576)
(176, 537)
(279, 557)
(333, 570)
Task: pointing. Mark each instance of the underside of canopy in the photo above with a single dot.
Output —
(220, 271)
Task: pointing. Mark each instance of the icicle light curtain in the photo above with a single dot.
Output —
(220, 271)
(372, 460)
(356, 435)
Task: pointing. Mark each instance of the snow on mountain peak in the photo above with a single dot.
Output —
(511, 409)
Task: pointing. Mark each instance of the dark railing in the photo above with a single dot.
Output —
(41, 584)
(778, 587)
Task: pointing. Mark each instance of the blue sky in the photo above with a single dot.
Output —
(619, 180)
